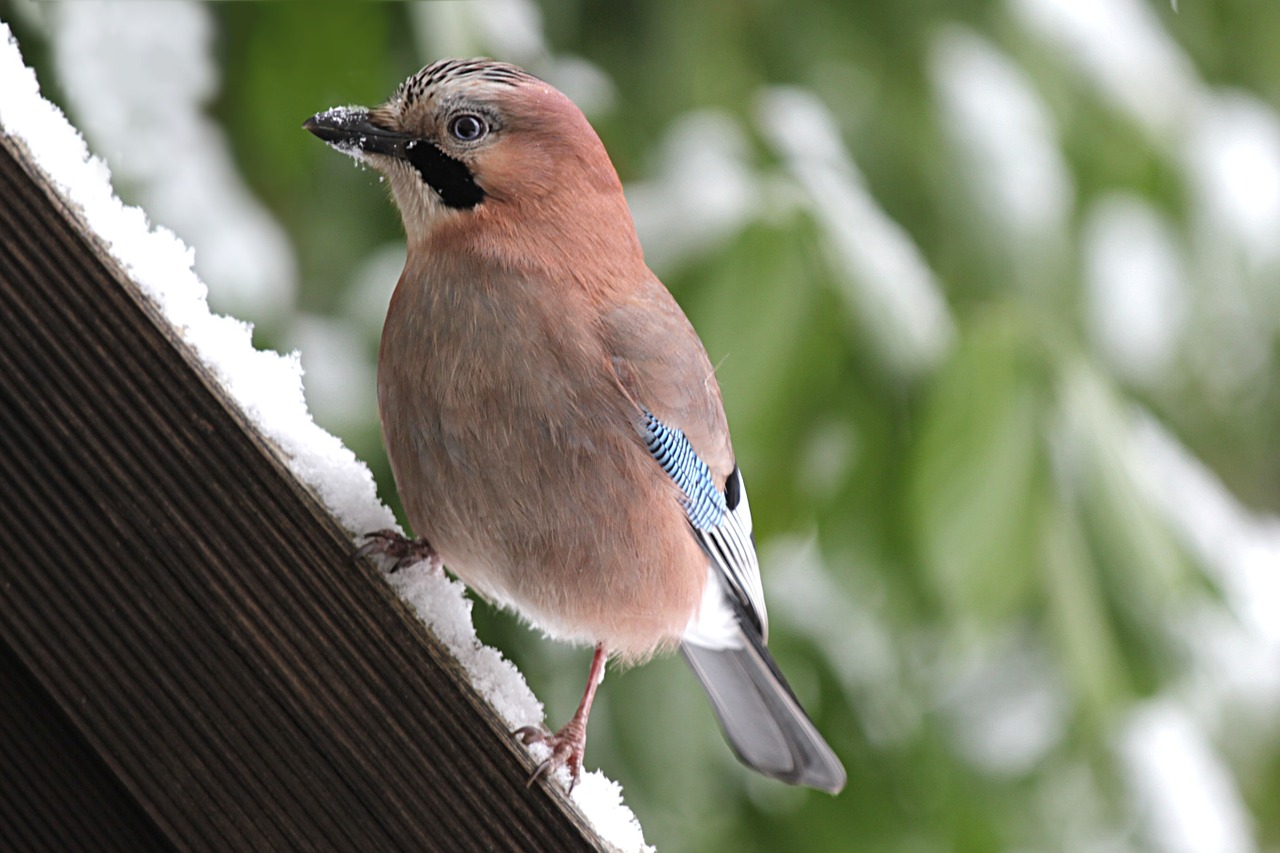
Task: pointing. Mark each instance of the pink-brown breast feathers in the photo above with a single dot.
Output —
(516, 455)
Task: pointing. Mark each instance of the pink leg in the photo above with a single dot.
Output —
(570, 743)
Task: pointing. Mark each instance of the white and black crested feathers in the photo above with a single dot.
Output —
(445, 70)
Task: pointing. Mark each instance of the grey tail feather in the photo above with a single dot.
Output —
(760, 717)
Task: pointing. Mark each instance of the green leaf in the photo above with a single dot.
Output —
(1079, 622)
(976, 474)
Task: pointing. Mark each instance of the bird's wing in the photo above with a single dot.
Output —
(725, 643)
(663, 367)
(720, 520)
(661, 364)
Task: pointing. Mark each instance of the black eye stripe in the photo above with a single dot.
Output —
(450, 178)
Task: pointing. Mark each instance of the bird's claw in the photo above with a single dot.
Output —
(567, 748)
(401, 550)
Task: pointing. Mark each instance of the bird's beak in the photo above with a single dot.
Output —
(351, 129)
(355, 131)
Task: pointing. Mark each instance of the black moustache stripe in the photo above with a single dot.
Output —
(450, 178)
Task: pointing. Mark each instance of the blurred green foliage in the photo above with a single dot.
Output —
(981, 524)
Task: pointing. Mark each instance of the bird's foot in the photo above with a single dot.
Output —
(567, 748)
(401, 550)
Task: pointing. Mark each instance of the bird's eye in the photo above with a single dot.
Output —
(468, 128)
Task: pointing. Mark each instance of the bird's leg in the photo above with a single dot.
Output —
(400, 549)
(568, 744)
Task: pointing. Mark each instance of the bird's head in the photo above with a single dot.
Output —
(470, 142)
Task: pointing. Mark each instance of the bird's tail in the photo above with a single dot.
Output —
(760, 717)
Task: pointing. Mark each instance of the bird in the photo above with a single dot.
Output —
(553, 422)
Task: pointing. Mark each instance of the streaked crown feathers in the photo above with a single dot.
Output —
(446, 70)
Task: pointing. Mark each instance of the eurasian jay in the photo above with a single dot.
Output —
(554, 424)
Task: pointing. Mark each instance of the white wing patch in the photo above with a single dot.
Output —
(715, 626)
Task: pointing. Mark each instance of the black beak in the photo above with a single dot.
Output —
(351, 129)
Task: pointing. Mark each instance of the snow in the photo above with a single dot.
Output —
(1121, 47)
(1238, 547)
(268, 388)
(1229, 701)
(1185, 794)
(152, 130)
(885, 279)
(704, 172)
(1135, 290)
(1226, 146)
(601, 799)
(340, 116)
(446, 610)
(1006, 138)
(1232, 161)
